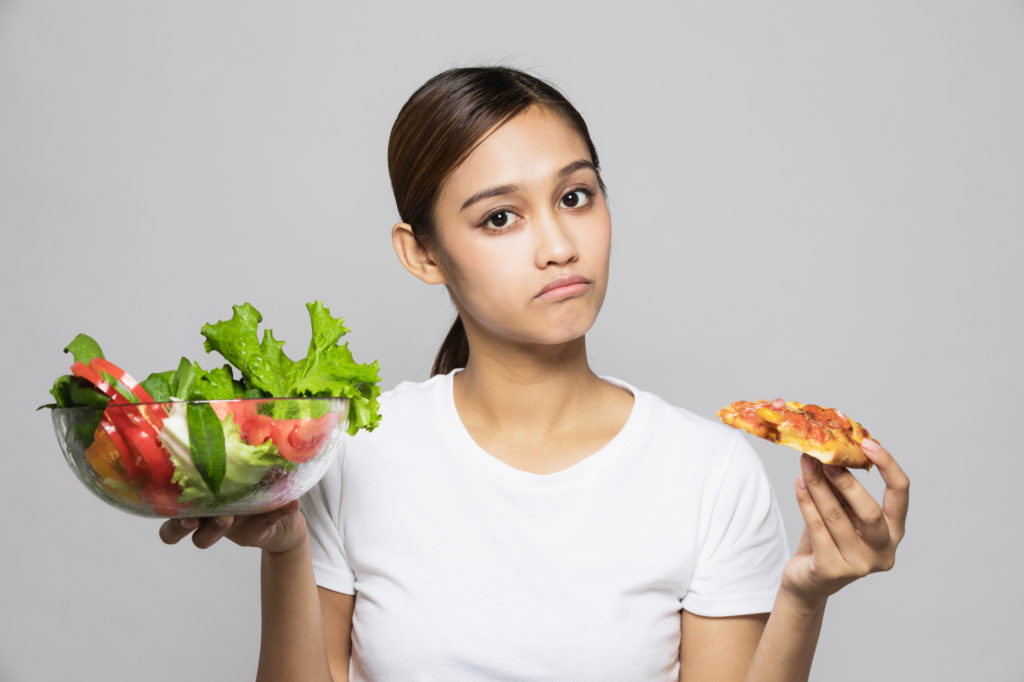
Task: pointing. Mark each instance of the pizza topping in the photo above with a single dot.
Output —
(823, 432)
(832, 418)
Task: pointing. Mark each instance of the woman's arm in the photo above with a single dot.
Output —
(776, 646)
(298, 619)
(718, 648)
(337, 608)
(292, 643)
(847, 535)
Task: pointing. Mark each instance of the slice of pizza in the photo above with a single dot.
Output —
(821, 432)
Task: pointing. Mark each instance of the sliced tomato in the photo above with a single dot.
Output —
(127, 457)
(102, 456)
(298, 440)
(253, 427)
(256, 430)
(313, 433)
(136, 431)
(163, 499)
(141, 438)
(222, 410)
(126, 379)
(153, 413)
(145, 439)
(244, 410)
(279, 433)
(96, 379)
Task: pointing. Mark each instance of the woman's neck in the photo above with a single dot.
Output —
(540, 391)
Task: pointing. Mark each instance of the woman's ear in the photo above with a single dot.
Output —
(416, 259)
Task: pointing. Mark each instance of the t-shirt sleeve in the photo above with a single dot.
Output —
(322, 508)
(743, 547)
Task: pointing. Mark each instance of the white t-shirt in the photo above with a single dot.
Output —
(465, 568)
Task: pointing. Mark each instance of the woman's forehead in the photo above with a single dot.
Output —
(531, 147)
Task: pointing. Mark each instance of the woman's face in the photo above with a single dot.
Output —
(525, 233)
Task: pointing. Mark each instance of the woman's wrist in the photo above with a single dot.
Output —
(800, 606)
(289, 548)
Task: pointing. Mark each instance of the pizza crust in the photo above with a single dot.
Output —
(843, 455)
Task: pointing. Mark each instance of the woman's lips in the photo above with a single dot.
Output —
(564, 287)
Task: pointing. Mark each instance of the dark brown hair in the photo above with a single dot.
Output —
(438, 127)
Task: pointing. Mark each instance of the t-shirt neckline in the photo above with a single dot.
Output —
(467, 449)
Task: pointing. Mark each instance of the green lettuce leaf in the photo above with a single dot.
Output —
(263, 366)
(244, 465)
(158, 385)
(218, 384)
(327, 371)
(192, 382)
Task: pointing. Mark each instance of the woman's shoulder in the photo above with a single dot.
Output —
(408, 407)
(414, 394)
(681, 449)
(664, 415)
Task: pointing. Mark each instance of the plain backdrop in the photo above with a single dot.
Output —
(816, 200)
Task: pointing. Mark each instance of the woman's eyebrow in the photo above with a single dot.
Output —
(499, 190)
(488, 193)
(575, 166)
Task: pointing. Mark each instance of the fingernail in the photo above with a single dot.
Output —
(221, 521)
(868, 445)
(189, 523)
(800, 483)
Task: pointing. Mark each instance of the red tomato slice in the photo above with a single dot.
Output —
(257, 429)
(127, 459)
(222, 410)
(298, 440)
(142, 439)
(96, 379)
(103, 456)
(279, 432)
(163, 499)
(129, 382)
(155, 414)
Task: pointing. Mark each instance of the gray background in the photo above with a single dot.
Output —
(820, 201)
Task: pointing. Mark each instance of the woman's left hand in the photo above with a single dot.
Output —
(847, 534)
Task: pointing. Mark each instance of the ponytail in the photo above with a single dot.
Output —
(454, 352)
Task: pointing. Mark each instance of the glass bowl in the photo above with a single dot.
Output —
(202, 458)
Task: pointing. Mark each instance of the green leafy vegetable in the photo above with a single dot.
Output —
(245, 464)
(82, 431)
(82, 392)
(262, 365)
(206, 444)
(84, 349)
(72, 391)
(158, 385)
(327, 371)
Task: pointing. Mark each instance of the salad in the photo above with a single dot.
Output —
(191, 440)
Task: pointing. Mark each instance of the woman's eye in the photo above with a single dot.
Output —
(576, 198)
(499, 219)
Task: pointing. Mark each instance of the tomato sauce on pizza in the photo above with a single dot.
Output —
(824, 433)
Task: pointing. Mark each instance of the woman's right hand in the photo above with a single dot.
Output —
(279, 530)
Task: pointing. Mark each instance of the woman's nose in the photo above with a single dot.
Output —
(555, 243)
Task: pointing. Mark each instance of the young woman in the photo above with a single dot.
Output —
(517, 517)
